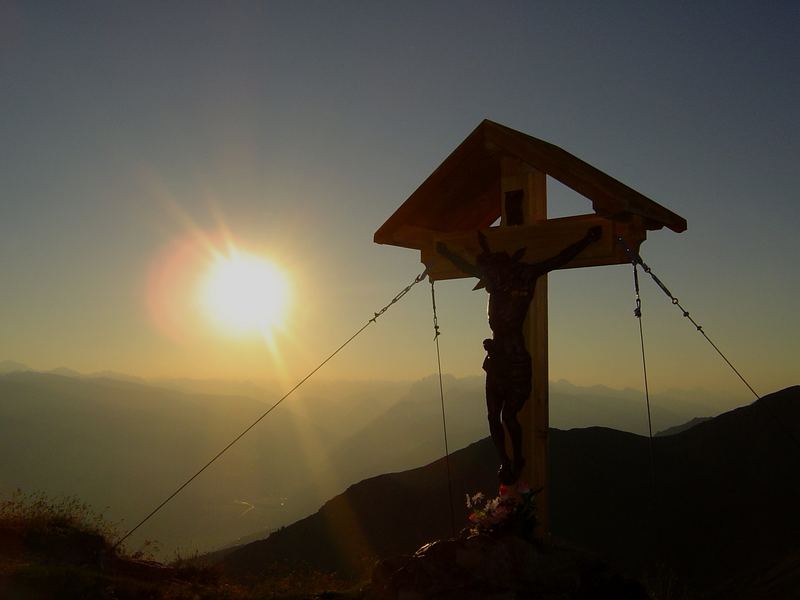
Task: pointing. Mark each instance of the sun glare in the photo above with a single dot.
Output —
(245, 294)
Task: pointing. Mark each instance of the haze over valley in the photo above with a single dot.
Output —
(123, 444)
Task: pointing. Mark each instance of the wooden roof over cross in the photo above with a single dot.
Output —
(462, 194)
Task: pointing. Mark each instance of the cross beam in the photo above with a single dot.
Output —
(540, 239)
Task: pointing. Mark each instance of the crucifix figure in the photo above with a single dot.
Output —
(511, 285)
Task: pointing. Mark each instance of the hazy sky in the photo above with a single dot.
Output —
(133, 130)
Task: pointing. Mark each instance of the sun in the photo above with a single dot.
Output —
(245, 294)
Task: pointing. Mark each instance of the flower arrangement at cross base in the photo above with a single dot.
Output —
(513, 511)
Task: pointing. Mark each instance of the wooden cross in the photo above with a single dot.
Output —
(499, 173)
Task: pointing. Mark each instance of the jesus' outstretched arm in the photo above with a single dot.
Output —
(570, 252)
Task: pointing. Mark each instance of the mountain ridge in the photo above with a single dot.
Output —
(726, 502)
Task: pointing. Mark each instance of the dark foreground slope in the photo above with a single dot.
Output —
(726, 496)
(723, 520)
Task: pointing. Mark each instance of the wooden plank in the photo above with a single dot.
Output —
(453, 193)
(534, 416)
(541, 241)
(606, 193)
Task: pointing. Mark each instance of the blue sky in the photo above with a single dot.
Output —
(299, 127)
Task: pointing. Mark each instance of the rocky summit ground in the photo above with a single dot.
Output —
(507, 567)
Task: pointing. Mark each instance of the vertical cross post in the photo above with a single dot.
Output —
(522, 184)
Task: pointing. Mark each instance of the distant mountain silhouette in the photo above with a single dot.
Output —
(683, 427)
(123, 446)
(66, 372)
(723, 520)
(11, 366)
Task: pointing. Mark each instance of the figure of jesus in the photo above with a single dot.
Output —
(511, 285)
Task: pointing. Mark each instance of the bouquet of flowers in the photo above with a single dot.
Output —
(512, 511)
